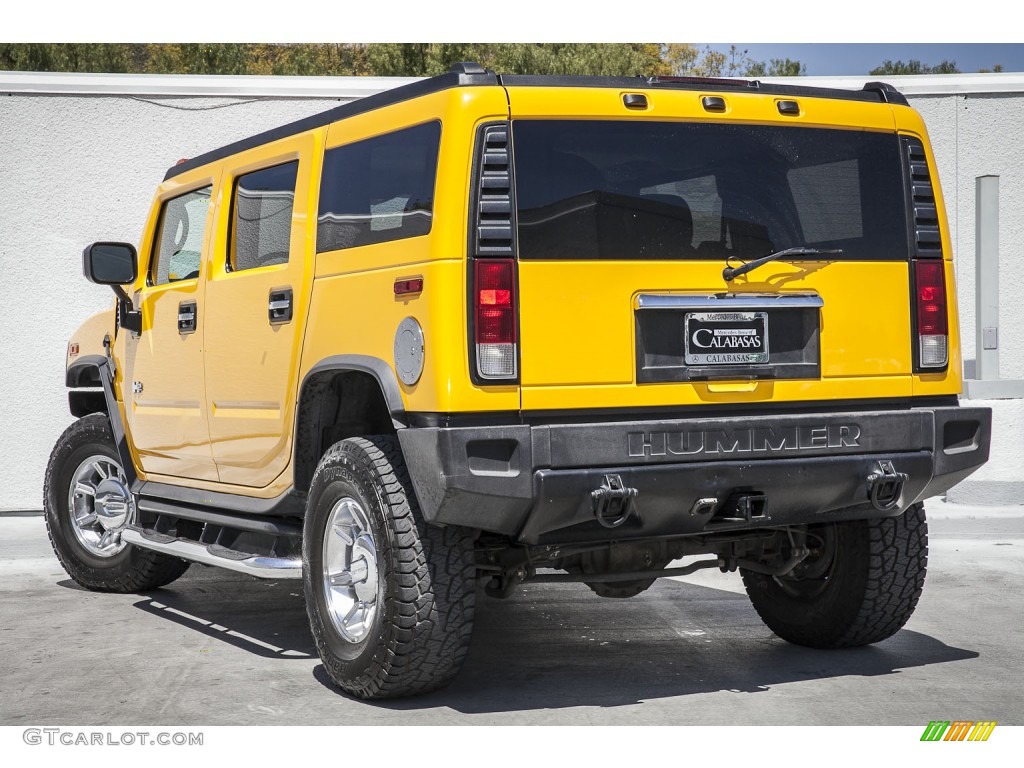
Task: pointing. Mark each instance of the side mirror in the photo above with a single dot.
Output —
(110, 263)
(116, 265)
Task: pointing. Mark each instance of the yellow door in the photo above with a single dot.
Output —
(256, 302)
(164, 386)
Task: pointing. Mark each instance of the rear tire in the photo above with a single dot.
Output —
(390, 599)
(84, 466)
(863, 588)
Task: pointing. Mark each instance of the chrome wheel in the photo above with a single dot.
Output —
(100, 504)
(350, 570)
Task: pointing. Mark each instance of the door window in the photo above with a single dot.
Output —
(262, 220)
(180, 235)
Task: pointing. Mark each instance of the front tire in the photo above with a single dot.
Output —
(860, 587)
(86, 503)
(390, 599)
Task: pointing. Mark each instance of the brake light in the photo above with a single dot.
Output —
(494, 302)
(932, 314)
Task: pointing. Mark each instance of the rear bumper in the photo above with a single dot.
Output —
(537, 483)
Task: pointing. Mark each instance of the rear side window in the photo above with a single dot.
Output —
(661, 190)
(262, 222)
(178, 249)
(379, 189)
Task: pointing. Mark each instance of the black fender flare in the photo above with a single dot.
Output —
(387, 385)
(85, 372)
(106, 377)
(375, 367)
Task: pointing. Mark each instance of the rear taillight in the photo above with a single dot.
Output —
(931, 314)
(494, 303)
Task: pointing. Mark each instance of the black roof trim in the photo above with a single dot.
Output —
(469, 73)
(888, 93)
(575, 81)
(871, 92)
(357, 107)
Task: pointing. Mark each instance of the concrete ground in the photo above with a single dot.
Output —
(217, 648)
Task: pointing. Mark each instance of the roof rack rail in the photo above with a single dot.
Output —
(467, 68)
(691, 80)
(888, 93)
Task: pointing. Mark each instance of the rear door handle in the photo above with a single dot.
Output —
(187, 317)
(279, 306)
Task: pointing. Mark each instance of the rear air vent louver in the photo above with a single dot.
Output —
(494, 227)
(927, 241)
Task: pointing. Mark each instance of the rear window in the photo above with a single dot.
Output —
(654, 190)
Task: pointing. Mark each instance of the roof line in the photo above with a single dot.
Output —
(921, 85)
(355, 87)
(197, 86)
(414, 89)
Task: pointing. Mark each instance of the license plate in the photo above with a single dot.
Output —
(726, 338)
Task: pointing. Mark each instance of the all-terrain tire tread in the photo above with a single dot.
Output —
(898, 552)
(432, 607)
(149, 570)
(876, 605)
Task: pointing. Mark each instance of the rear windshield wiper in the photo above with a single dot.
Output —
(732, 272)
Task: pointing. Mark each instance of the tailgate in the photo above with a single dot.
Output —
(626, 221)
(615, 334)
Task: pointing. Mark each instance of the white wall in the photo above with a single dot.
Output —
(80, 156)
(978, 134)
(74, 169)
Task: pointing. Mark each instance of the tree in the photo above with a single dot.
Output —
(71, 57)
(395, 59)
(423, 59)
(786, 68)
(687, 59)
(915, 67)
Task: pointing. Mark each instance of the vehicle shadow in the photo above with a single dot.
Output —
(265, 618)
(561, 648)
(556, 646)
(71, 584)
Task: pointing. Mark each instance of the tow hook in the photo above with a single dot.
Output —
(885, 486)
(743, 507)
(613, 502)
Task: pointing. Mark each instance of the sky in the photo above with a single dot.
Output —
(861, 58)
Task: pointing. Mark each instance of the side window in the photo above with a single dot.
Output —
(181, 232)
(261, 222)
(379, 189)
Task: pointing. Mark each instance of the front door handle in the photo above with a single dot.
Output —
(187, 317)
(279, 306)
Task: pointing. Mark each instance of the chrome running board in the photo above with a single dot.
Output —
(259, 566)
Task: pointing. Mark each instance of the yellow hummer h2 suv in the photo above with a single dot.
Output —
(488, 329)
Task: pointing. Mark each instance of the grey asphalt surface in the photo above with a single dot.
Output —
(217, 648)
